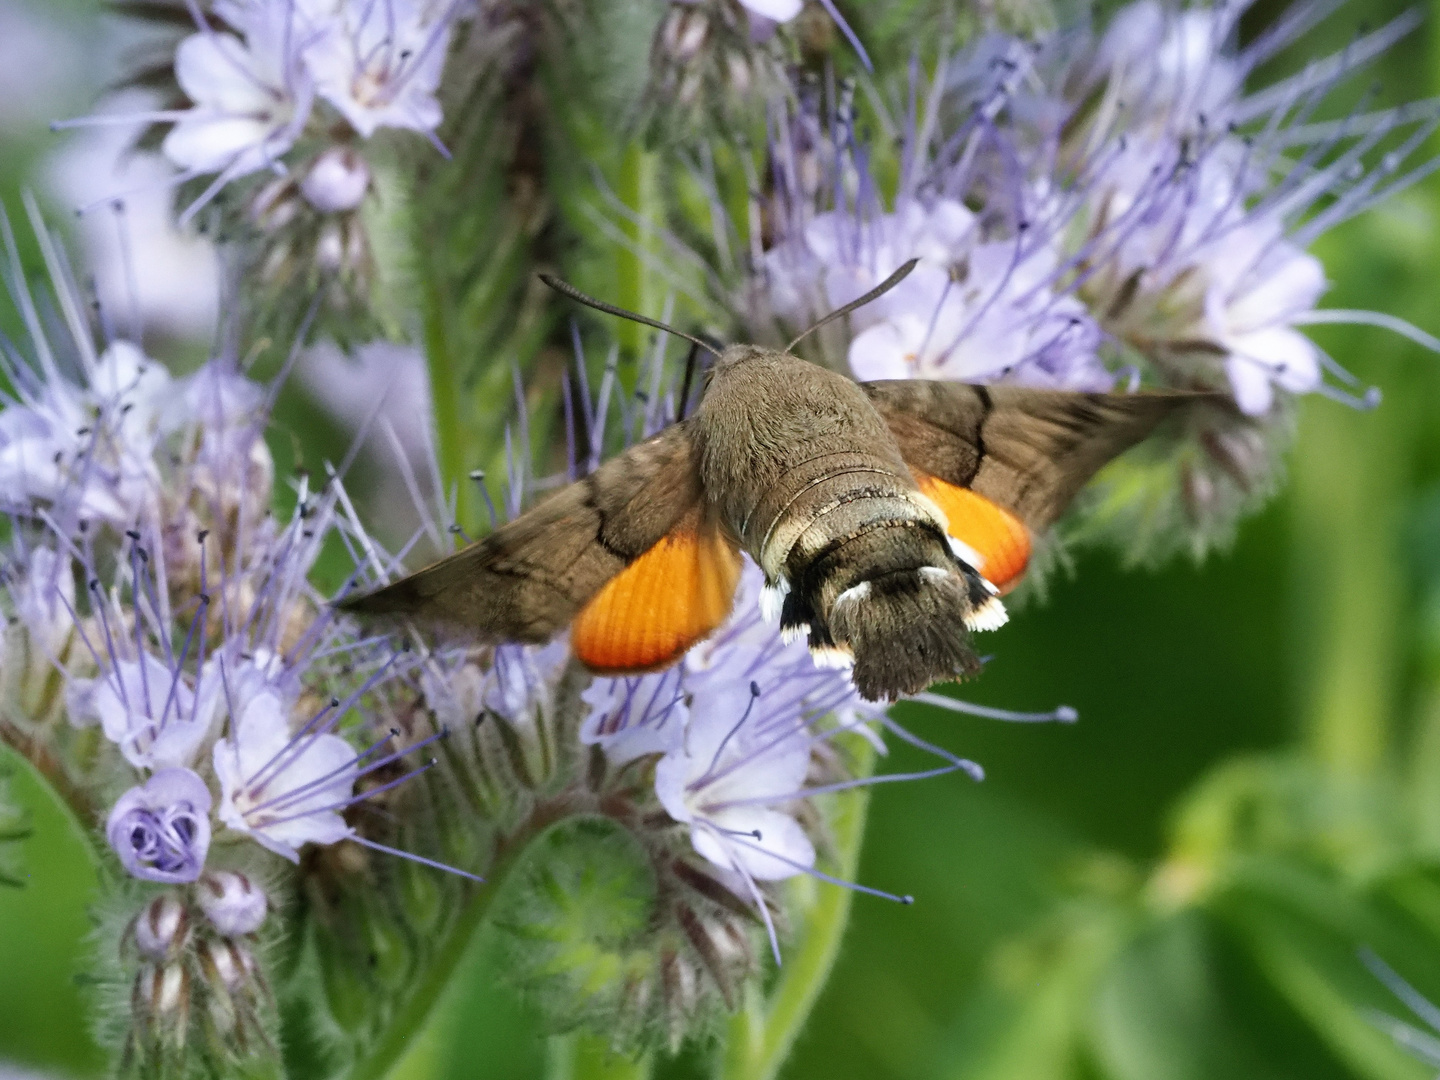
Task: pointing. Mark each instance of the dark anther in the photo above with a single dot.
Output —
(132, 534)
(200, 536)
(477, 475)
(204, 598)
(94, 584)
(754, 688)
(334, 702)
(907, 900)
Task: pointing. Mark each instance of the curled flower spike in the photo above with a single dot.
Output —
(161, 829)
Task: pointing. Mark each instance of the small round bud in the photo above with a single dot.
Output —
(739, 74)
(227, 965)
(161, 929)
(338, 180)
(330, 248)
(233, 904)
(162, 995)
(684, 32)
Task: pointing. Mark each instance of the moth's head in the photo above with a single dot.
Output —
(735, 355)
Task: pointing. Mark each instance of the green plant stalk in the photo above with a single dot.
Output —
(445, 390)
(761, 1035)
(408, 1049)
(638, 188)
(1347, 479)
(582, 1056)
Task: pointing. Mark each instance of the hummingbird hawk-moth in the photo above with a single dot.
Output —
(888, 518)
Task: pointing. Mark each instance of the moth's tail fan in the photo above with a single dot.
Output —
(903, 629)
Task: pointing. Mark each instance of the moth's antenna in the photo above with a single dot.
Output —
(874, 294)
(689, 374)
(575, 294)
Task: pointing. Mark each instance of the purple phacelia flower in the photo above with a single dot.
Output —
(160, 830)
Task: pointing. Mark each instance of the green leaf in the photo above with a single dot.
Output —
(1032, 1019)
(14, 827)
(1303, 927)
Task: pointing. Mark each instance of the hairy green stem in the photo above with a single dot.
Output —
(582, 1056)
(445, 392)
(1347, 474)
(762, 1034)
(407, 1050)
(639, 189)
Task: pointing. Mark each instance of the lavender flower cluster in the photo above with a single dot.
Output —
(265, 84)
(167, 660)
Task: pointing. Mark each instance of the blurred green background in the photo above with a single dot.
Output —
(1175, 887)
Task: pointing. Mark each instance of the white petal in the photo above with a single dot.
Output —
(210, 145)
(779, 10)
(217, 71)
(672, 774)
(1286, 287)
(1250, 383)
(880, 353)
(779, 833)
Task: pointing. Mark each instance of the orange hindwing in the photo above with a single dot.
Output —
(670, 598)
(996, 536)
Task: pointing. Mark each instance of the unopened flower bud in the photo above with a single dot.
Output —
(161, 929)
(161, 829)
(337, 181)
(161, 997)
(684, 32)
(232, 903)
(228, 965)
(739, 75)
